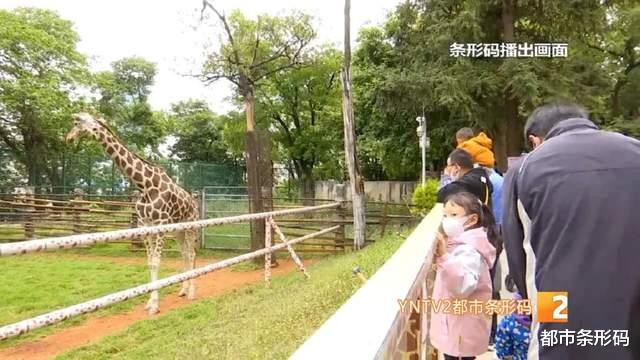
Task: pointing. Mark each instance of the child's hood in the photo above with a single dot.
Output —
(478, 239)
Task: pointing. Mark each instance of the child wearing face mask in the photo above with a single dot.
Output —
(464, 255)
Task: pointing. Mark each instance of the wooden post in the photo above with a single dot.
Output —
(339, 196)
(267, 256)
(135, 196)
(255, 198)
(357, 183)
(268, 206)
(292, 252)
(29, 226)
(384, 219)
(78, 195)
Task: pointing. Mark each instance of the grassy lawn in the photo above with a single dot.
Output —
(253, 322)
(38, 283)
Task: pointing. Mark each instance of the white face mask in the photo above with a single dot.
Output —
(453, 226)
(454, 174)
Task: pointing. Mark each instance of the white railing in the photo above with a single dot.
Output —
(24, 247)
(56, 316)
(101, 302)
(370, 324)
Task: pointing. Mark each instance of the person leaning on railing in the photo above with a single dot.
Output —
(570, 224)
(480, 149)
(463, 256)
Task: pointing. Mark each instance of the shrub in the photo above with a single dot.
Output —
(425, 197)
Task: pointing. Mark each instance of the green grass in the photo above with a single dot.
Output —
(253, 322)
(38, 283)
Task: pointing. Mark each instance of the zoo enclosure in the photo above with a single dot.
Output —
(25, 217)
(50, 244)
(97, 174)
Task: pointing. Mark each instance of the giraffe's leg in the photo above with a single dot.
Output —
(154, 251)
(191, 237)
(180, 241)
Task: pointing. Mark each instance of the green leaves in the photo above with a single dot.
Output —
(301, 107)
(403, 68)
(256, 49)
(123, 101)
(425, 197)
(199, 133)
(40, 69)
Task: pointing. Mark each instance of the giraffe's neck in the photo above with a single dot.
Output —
(131, 165)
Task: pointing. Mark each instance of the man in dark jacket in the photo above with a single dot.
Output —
(465, 178)
(570, 223)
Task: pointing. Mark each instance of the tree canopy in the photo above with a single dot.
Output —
(401, 69)
(40, 69)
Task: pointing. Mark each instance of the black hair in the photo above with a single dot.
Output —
(472, 205)
(547, 116)
(464, 133)
(461, 158)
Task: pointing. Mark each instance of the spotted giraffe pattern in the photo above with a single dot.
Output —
(161, 202)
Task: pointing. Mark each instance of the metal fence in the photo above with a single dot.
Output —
(46, 215)
(99, 175)
(382, 217)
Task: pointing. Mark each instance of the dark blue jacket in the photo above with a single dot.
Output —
(571, 222)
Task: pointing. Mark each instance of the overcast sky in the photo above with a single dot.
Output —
(166, 33)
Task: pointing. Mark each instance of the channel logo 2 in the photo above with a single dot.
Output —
(553, 307)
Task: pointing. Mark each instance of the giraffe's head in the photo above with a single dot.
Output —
(83, 123)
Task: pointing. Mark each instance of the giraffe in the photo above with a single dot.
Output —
(161, 200)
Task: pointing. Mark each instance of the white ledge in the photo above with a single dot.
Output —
(363, 327)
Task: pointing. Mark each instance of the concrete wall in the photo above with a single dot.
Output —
(387, 191)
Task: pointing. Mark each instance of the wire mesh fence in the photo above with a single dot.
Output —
(62, 214)
(99, 175)
(382, 218)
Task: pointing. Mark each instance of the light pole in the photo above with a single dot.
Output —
(424, 143)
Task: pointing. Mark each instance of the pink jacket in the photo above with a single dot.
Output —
(463, 273)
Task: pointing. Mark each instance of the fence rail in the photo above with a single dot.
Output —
(62, 242)
(53, 317)
(28, 217)
(57, 316)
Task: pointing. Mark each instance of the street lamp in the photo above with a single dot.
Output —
(424, 142)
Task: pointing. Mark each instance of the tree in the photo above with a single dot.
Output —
(124, 93)
(253, 51)
(350, 149)
(40, 70)
(302, 108)
(199, 133)
(619, 41)
(412, 70)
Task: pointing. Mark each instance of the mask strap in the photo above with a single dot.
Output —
(486, 189)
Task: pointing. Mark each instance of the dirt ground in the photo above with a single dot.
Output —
(96, 328)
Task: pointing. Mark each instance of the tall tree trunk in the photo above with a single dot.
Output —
(615, 97)
(255, 192)
(511, 129)
(308, 191)
(357, 184)
(500, 145)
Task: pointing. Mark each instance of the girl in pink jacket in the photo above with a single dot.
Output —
(464, 256)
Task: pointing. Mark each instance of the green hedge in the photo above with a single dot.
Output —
(425, 197)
